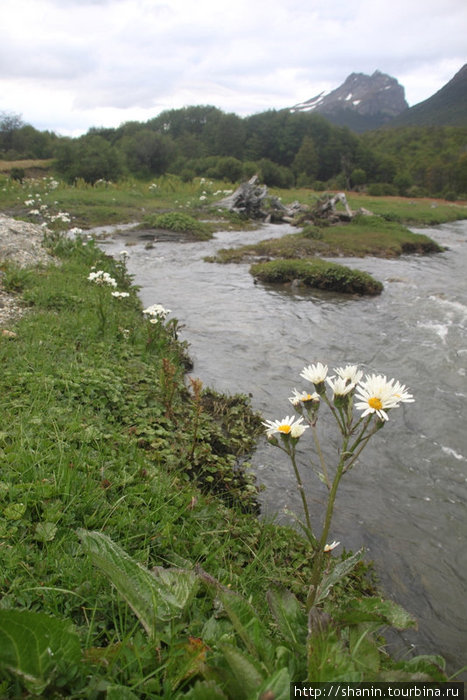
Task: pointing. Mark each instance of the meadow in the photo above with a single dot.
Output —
(134, 563)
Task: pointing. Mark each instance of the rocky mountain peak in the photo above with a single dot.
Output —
(377, 97)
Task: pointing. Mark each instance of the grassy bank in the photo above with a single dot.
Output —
(128, 517)
(365, 235)
(102, 432)
(138, 201)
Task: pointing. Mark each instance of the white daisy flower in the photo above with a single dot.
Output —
(350, 373)
(315, 373)
(299, 397)
(340, 386)
(287, 426)
(375, 395)
(401, 394)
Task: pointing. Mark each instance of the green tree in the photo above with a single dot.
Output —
(89, 157)
(358, 177)
(306, 161)
(9, 124)
(147, 153)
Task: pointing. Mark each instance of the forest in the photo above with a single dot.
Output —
(286, 149)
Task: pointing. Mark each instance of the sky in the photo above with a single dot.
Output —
(69, 65)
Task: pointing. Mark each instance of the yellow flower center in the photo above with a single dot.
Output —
(284, 428)
(375, 403)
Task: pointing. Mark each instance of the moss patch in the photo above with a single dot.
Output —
(319, 274)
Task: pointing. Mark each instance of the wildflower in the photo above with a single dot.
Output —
(315, 373)
(157, 311)
(299, 397)
(350, 373)
(100, 277)
(288, 426)
(124, 254)
(401, 394)
(340, 386)
(376, 395)
(76, 231)
(120, 295)
(330, 547)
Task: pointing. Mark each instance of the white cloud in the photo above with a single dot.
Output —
(67, 65)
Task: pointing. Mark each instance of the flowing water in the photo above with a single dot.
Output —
(406, 499)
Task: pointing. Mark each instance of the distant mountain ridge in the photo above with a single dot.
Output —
(362, 102)
(365, 102)
(447, 107)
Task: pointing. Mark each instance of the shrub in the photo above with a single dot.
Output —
(178, 222)
(382, 189)
(17, 174)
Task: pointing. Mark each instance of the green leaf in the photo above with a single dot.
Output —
(338, 572)
(37, 647)
(277, 686)
(244, 618)
(376, 610)
(14, 511)
(155, 598)
(329, 658)
(245, 671)
(290, 617)
(363, 647)
(45, 532)
(120, 692)
(204, 690)
(419, 668)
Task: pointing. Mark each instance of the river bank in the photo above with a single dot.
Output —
(260, 337)
(103, 431)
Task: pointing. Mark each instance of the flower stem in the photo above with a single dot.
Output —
(301, 490)
(321, 456)
(318, 560)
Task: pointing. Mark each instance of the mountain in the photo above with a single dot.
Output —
(447, 107)
(361, 103)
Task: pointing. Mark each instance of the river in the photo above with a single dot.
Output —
(405, 501)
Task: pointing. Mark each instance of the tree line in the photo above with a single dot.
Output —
(287, 149)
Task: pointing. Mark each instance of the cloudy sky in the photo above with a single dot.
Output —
(67, 65)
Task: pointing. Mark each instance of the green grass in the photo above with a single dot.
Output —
(101, 430)
(365, 235)
(318, 274)
(126, 201)
(411, 211)
(98, 431)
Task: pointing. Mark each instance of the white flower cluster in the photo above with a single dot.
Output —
(40, 209)
(157, 313)
(61, 216)
(374, 394)
(102, 278)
